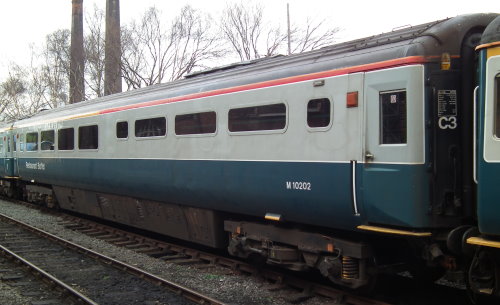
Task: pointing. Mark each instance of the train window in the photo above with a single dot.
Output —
(318, 112)
(88, 137)
(66, 139)
(268, 117)
(195, 123)
(393, 117)
(47, 139)
(32, 141)
(122, 130)
(14, 141)
(154, 127)
(497, 105)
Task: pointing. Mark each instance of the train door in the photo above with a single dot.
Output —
(15, 165)
(489, 163)
(9, 143)
(393, 172)
(3, 153)
(354, 122)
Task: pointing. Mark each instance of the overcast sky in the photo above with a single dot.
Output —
(27, 22)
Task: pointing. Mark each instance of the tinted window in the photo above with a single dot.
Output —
(195, 123)
(88, 137)
(154, 127)
(393, 117)
(66, 139)
(268, 117)
(32, 141)
(122, 130)
(318, 112)
(47, 140)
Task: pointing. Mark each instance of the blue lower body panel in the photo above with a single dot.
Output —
(488, 207)
(397, 195)
(312, 193)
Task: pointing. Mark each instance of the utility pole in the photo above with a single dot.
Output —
(288, 22)
(77, 64)
(112, 61)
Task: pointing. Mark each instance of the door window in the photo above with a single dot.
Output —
(393, 117)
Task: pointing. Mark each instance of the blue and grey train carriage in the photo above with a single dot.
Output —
(484, 273)
(346, 159)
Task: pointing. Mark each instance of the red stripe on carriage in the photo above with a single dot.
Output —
(283, 81)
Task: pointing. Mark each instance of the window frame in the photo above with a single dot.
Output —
(496, 107)
(196, 135)
(381, 121)
(78, 137)
(59, 138)
(151, 137)
(53, 143)
(116, 130)
(37, 141)
(332, 113)
(259, 132)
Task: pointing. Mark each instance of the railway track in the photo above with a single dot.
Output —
(289, 288)
(298, 290)
(183, 255)
(35, 284)
(94, 278)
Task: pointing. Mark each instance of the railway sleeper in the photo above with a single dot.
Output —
(344, 262)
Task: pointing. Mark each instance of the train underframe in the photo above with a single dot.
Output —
(351, 261)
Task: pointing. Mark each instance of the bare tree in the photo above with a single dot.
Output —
(55, 67)
(250, 36)
(312, 35)
(21, 94)
(242, 27)
(94, 53)
(12, 92)
(153, 53)
(41, 85)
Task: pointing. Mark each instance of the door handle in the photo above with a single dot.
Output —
(369, 156)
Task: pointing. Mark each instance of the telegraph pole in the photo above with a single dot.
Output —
(76, 78)
(112, 61)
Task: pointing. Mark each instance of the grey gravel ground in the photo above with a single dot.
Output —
(229, 288)
(11, 296)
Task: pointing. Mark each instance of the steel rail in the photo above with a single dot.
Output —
(187, 293)
(80, 298)
(306, 287)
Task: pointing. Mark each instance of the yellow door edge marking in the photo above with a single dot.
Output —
(393, 231)
(479, 241)
(493, 52)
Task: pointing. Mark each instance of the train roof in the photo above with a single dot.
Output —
(429, 39)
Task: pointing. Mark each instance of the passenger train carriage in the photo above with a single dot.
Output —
(344, 159)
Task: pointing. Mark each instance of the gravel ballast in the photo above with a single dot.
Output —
(215, 282)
